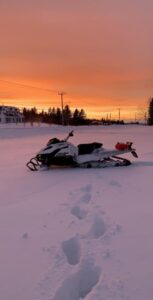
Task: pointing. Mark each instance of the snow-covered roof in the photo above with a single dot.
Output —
(10, 111)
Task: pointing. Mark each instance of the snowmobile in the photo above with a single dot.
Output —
(93, 155)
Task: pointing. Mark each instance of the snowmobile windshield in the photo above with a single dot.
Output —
(53, 141)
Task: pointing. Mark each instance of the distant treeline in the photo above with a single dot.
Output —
(150, 112)
(65, 117)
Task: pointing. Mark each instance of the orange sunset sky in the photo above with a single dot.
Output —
(100, 52)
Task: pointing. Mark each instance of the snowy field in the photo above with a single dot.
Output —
(72, 234)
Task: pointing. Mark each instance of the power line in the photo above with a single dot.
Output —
(26, 85)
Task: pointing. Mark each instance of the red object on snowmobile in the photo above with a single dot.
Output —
(123, 146)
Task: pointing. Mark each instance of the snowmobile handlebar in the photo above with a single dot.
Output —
(69, 135)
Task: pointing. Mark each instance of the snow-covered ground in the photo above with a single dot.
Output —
(72, 234)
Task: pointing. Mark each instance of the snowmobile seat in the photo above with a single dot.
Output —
(88, 148)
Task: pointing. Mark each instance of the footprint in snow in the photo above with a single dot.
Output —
(77, 286)
(98, 228)
(78, 212)
(85, 198)
(87, 188)
(71, 249)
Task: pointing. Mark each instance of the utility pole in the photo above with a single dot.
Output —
(62, 105)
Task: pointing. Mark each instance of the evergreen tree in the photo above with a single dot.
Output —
(25, 114)
(33, 114)
(67, 115)
(76, 117)
(82, 117)
(58, 116)
(150, 112)
(41, 116)
(52, 115)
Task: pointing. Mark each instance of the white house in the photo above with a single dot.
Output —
(10, 114)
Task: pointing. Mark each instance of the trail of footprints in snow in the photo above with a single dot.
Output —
(77, 210)
(79, 285)
(86, 276)
(71, 247)
(98, 227)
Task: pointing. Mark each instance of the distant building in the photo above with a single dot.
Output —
(10, 114)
